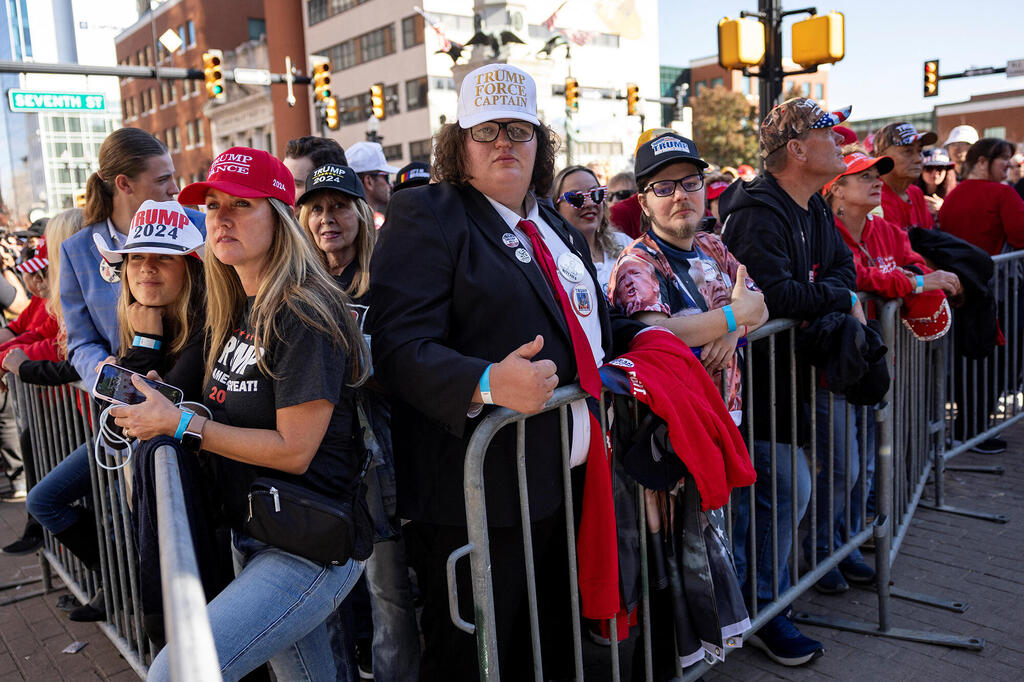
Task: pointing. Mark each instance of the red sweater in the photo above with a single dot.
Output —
(902, 214)
(883, 251)
(986, 214)
(36, 333)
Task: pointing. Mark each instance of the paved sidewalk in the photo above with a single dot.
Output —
(947, 556)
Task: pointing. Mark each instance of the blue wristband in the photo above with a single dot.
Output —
(485, 386)
(143, 342)
(183, 421)
(853, 300)
(730, 318)
(920, 284)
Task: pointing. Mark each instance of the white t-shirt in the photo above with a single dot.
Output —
(605, 267)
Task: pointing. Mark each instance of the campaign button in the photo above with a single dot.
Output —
(109, 273)
(571, 268)
(523, 255)
(582, 301)
(510, 240)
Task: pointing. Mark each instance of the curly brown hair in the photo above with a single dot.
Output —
(450, 163)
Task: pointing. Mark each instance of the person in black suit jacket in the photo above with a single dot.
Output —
(459, 301)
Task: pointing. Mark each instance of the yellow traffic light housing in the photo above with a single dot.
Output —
(740, 43)
(213, 71)
(819, 40)
(377, 104)
(572, 94)
(331, 112)
(632, 99)
(321, 78)
(931, 78)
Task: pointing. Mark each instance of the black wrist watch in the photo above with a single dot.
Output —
(192, 441)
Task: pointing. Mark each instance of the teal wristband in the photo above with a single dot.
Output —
(485, 386)
(920, 284)
(853, 300)
(183, 421)
(143, 342)
(730, 318)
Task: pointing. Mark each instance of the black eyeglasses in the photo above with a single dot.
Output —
(622, 194)
(666, 188)
(577, 198)
(517, 131)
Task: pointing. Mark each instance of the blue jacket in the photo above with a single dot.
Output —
(89, 302)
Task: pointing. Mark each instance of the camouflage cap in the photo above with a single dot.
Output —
(793, 118)
(901, 134)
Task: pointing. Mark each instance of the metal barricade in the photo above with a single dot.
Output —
(60, 419)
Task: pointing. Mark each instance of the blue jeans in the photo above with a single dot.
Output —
(50, 500)
(396, 635)
(857, 501)
(763, 530)
(274, 610)
(833, 469)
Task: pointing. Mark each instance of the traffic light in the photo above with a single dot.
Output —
(740, 43)
(572, 94)
(377, 104)
(819, 40)
(321, 77)
(931, 78)
(331, 112)
(632, 99)
(213, 70)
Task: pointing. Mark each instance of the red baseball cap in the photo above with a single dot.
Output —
(244, 172)
(36, 263)
(849, 137)
(715, 189)
(857, 162)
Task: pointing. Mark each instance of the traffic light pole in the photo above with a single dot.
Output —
(171, 73)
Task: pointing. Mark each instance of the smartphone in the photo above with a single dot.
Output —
(114, 384)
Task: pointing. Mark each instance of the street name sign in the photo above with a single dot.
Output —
(27, 100)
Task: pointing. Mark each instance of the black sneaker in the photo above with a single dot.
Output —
(92, 612)
(783, 643)
(25, 545)
(364, 659)
(832, 583)
(992, 446)
(857, 571)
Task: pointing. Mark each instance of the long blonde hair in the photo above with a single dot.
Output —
(365, 239)
(603, 237)
(59, 228)
(294, 278)
(179, 317)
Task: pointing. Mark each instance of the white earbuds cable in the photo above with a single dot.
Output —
(108, 436)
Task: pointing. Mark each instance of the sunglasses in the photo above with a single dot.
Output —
(576, 199)
(622, 194)
(517, 131)
(666, 188)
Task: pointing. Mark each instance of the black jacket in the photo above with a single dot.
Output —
(449, 298)
(851, 356)
(47, 372)
(804, 275)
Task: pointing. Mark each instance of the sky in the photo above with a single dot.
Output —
(887, 44)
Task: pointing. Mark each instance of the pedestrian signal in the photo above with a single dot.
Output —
(740, 43)
(213, 71)
(377, 104)
(819, 40)
(572, 94)
(632, 99)
(321, 78)
(931, 78)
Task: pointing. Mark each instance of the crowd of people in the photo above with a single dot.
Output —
(336, 338)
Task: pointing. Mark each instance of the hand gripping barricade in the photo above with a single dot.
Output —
(59, 419)
(910, 426)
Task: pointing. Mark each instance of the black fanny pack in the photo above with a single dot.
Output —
(305, 523)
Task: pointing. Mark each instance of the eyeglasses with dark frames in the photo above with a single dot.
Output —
(621, 195)
(517, 131)
(666, 188)
(577, 198)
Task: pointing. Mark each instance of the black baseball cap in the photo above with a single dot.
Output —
(664, 150)
(332, 176)
(412, 175)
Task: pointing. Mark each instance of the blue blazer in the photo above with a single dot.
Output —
(88, 302)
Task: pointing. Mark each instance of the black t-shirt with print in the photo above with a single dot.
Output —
(309, 366)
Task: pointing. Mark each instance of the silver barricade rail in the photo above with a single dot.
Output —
(909, 436)
(59, 419)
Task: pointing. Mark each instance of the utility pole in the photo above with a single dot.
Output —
(769, 86)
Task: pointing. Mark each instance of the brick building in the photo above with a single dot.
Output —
(996, 114)
(173, 109)
(706, 72)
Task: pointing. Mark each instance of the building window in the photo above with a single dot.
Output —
(318, 10)
(819, 91)
(190, 134)
(416, 94)
(191, 28)
(257, 28)
(182, 36)
(354, 109)
(74, 125)
(391, 101)
(362, 48)
(442, 83)
(420, 151)
(392, 152)
(717, 82)
(995, 131)
(412, 31)
(700, 85)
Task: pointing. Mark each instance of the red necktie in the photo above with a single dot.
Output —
(590, 380)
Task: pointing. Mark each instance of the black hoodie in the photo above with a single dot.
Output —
(804, 269)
